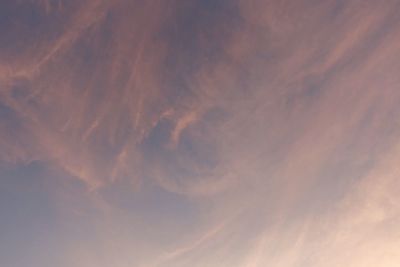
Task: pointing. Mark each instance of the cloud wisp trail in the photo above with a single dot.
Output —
(200, 133)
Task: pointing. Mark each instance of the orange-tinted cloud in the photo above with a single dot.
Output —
(267, 129)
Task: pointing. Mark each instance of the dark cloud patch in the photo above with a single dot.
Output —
(26, 26)
(197, 34)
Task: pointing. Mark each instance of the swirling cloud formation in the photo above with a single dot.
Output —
(243, 133)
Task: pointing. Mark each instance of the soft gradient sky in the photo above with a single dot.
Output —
(199, 133)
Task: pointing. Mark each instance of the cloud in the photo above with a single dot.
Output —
(275, 122)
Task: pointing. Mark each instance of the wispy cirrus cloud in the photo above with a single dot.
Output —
(212, 133)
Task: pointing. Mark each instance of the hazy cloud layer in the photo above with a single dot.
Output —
(199, 133)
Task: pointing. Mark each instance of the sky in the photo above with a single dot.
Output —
(199, 133)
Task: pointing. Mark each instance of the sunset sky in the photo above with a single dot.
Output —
(199, 133)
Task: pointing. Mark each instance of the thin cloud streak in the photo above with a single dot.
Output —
(206, 133)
